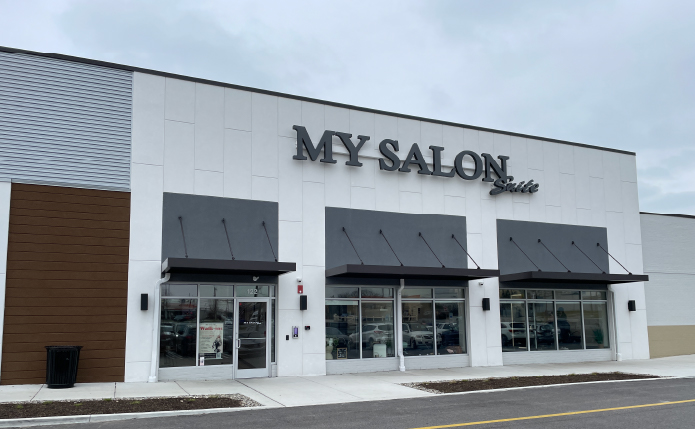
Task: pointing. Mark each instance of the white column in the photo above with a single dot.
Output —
(5, 192)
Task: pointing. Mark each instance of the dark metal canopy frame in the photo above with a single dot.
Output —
(226, 266)
(407, 272)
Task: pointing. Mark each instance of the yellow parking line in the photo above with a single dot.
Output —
(555, 415)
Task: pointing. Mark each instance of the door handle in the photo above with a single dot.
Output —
(238, 343)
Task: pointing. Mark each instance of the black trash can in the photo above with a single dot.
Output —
(61, 366)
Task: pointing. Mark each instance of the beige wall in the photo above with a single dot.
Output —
(671, 340)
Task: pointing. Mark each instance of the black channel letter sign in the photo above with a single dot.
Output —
(483, 165)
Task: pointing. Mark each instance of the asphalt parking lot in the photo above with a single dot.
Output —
(640, 404)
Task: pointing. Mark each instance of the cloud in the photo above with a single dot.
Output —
(607, 73)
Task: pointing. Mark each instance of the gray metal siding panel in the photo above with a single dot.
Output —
(64, 123)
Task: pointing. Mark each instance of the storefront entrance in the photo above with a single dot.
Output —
(251, 345)
(222, 329)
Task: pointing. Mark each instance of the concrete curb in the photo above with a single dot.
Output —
(94, 418)
(558, 385)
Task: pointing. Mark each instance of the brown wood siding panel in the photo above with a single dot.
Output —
(67, 281)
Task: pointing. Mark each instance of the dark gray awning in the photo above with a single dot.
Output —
(227, 266)
(405, 272)
(565, 277)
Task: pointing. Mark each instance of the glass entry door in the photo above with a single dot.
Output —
(252, 351)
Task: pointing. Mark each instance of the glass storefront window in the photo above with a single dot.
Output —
(513, 326)
(567, 294)
(220, 291)
(377, 330)
(377, 292)
(456, 293)
(593, 294)
(569, 325)
(178, 332)
(556, 319)
(179, 290)
(450, 325)
(539, 294)
(342, 292)
(342, 330)
(216, 339)
(416, 293)
(197, 325)
(418, 332)
(433, 322)
(512, 294)
(596, 325)
(252, 291)
(541, 322)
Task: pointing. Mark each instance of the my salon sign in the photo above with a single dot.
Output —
(483, 165)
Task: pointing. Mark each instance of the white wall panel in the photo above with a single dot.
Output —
(264, 188)
(598, 202)
(209, 183)
(264, 137)
(179, 100)
(148, 119)
(289, 115)
(551, 171)
(568, 199)
(237, 109)
(362, 198)
(522, 211)
(387, 199)
(502, 145)
(209, 127)
(237, 164)
(337, 119)
(179, 156)
(337, 187)
(433, 194)
(455, 206)
(535, 154)
(596, 163)
(364, 176)
(537, 200)
(362, 123)
(315, 218)
(453, 143)
(518, 166)
(611, 182)
(566, 157)
(410, 202)
(290, 185)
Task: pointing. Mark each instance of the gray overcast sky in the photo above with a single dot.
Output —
(619, 74)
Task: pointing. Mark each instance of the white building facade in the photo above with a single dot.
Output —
(199, 147)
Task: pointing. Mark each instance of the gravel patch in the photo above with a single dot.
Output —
(453, 386)
(18, 410)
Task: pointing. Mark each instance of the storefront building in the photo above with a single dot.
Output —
(187, 229)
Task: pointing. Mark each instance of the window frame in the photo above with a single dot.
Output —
(433, 300)
(555, 300)
(272, 296)
(360, 300)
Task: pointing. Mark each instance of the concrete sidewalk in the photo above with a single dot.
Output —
(331, 389)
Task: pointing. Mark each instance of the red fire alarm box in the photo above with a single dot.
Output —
(300, 288)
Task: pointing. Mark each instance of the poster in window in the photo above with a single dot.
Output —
(210, 339)
(342, 352)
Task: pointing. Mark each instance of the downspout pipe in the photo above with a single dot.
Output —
(618, 356)
(399, 327)
(155, 328)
